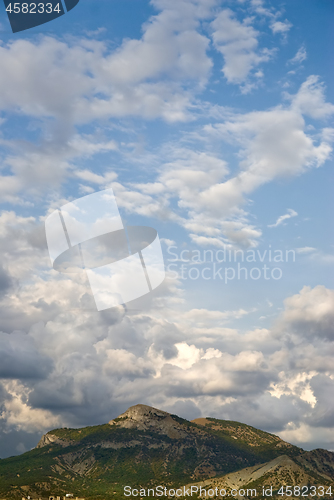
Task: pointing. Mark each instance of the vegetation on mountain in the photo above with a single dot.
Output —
(148, 447)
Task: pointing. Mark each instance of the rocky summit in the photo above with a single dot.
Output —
(146, 447)
(145, 418)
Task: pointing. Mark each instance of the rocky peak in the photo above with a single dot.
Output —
(50, 438)
(146, 418)
(141, 413)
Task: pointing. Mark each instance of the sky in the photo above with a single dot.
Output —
(212, 121)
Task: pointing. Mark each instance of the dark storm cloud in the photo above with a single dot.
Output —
(164, 337)
(323, 416)
(184, 408)
(79, 367)
(20, 358)
(6, 281)
(17, 442)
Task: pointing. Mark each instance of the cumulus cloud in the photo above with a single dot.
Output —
(19, 357)
(303, 436)
(238, 43)
(311, 312)
(79, 367)
(84, 80)
(310, 99)
(274, 144)
(18, 414)
(5, 280)
(281, 27)
(63, 85)
(210, 202)
(94, 82)
(64, 364)
(40, 169)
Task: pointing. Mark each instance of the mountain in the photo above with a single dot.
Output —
(281, 471)
(147, 447)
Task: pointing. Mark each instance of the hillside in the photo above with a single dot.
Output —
(279, 472)
(146, 446)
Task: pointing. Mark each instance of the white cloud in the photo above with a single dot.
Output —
(291, 213)
(209, 203)
(303, 433)
(85, 146)
(305, 250)
(300, 56)
(63, 85)
(204, 317)
(311, 312)
(37, 170)
(92, 178)
(84, 81)
(281, 27)
(162, 354)
(260, 9)
(195, 189)
(187, 356)
(296, 385)
(18, 414)
(276, 145)
(273, 143)
(238, 43)
(310, 99)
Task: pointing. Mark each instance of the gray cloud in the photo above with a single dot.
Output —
(76, 367)
(311, 313)
(71, 366)
(6, 281)
(20, 358)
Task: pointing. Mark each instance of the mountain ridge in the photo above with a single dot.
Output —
(148, 446)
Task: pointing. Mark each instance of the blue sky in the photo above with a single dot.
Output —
(212, 122)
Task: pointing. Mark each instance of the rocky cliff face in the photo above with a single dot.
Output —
(145, 418)
(50, 438)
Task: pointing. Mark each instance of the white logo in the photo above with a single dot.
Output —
(122, 264)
